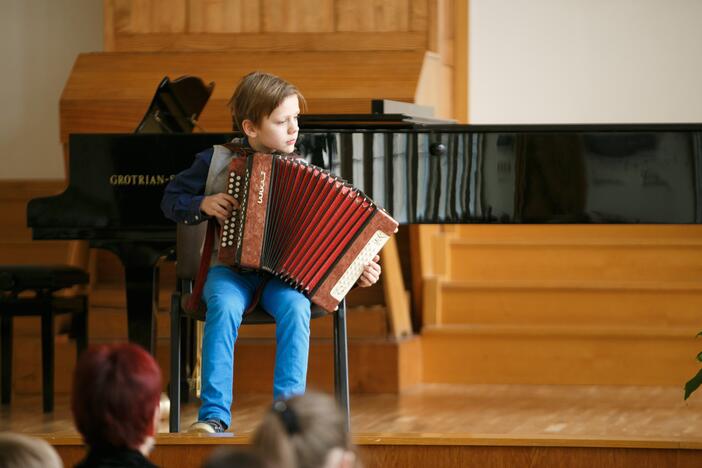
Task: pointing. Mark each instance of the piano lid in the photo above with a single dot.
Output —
(419, 172)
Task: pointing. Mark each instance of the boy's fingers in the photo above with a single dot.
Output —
(233, 201)
(369, 276)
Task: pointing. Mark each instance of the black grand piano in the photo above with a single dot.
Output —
(420, 170)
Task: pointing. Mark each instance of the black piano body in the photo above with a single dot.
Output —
(420, 171)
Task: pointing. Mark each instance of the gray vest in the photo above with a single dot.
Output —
(217, 183)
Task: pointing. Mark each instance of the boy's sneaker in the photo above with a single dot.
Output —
(211, 426)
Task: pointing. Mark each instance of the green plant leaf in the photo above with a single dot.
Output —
(693, 384)
(699, 356)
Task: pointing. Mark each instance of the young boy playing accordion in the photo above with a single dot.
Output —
(265, 109)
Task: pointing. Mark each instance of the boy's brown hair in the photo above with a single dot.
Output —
(257, 95)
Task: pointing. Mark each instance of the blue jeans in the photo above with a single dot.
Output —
(228, 293)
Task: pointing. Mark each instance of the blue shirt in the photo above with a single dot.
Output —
(183, 195)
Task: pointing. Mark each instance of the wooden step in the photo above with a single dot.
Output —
(109, 270)
(653, 304)
(109, 322)
(108, 314)
(375, 365)
(652, 260)
(444, 448)
(559, 355)
(14, 196)
(113, 296)
(362, 323)
(554, 252)
(33, 252)
(550, 233)
(110, 273)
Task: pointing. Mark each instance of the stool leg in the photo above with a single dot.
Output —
(174, 385)
(47, 358)
(6, 333)
(80, 327)
(341, 364)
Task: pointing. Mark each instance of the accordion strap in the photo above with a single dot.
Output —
(194, 301)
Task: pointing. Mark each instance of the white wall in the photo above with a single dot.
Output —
(584, 61)
(39, 41)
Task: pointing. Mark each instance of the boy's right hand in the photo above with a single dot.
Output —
(219, 205)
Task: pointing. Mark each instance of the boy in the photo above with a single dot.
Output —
(264, 108)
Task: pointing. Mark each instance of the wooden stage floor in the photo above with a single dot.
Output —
(650, 421)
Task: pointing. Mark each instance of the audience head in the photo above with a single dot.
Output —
(116, 393)
(307, 431)
(21, 451)
(236, 458)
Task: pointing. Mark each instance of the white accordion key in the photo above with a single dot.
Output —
(353, 272)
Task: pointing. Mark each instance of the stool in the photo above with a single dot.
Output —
(43, 281)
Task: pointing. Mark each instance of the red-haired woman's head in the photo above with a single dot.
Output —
(116, 390)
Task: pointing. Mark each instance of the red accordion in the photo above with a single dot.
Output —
(302, 224)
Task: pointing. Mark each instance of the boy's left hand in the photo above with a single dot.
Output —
(370, 274)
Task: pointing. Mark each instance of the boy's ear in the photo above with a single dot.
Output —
(249, 128)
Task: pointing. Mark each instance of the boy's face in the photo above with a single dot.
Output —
(278, 131)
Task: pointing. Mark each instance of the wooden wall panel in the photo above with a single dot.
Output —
(187, 25)
(332, 82)
(224, 16)
(372, 15)
(148, 16)
(311, 16)
(418, 15)
(460, 61)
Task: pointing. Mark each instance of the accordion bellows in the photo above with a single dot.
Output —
(302, 224)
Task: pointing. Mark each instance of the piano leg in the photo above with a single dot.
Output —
(140, 262)
(142, 305)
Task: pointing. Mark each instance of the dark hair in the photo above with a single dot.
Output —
(116, 389)
(302, 432)
(257, 95)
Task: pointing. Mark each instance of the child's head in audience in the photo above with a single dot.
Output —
(116, 393)
(21, 451)
(307, 431)
(227, 457)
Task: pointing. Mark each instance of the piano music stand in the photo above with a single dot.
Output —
(188, 241)
(176, 106)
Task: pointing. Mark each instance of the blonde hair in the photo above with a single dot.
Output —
(302, 431)
(21, 451)
(257, 95)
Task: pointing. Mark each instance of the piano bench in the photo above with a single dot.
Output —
(28, 290)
